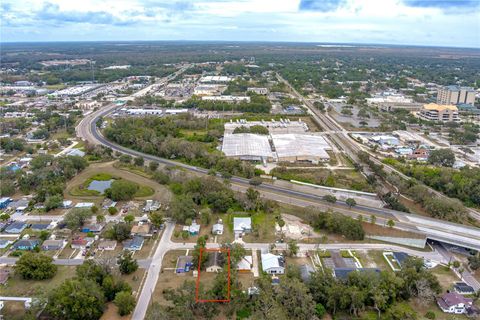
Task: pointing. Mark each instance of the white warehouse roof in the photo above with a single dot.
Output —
(301, 146)
(247, 146)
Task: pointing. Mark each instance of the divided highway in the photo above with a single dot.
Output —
(434, 229)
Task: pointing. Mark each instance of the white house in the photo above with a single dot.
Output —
(217, 228)
(245, 264)
(453, 302)
(273, 264)
(242, 226)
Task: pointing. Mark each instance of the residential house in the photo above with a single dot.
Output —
(151, 205)
(53, 244)
(16, 227)
(273, 264)
(142, 229)
(217, 228)
(66, 204)
(84, 205)
(453, 302)
(19, 206)
(463, 288)
(193, 229)
(4, 202)
(82, 242)
(184, 264)
(242, 226)
(108, 203)
(76, 153)
(40, 226)
(134, 244)
(215, 262)
(107, 245)
(420, 154)
(245, 264)
(4, 243)
(95, 228)
(26, 244)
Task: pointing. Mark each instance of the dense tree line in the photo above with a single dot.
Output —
(84, 296)
(257, 104)
(161, 137)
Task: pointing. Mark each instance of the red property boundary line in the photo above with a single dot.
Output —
(198, 277)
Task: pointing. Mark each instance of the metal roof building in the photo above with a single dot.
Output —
(247, 146)
(300, 147)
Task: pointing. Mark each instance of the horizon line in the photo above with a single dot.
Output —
(243, 41)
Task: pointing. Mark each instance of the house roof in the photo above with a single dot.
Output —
(439, 107)
(241, 224)
(136, 242)
(462, 287)
(342, 273)
(107, 244)
(52, 243)
(217, 227)
(26, 243)
(272, 261)
(451, 299)
(245, 263)
(214, 259)
(40, 226)
(16, 226)
(182, 261)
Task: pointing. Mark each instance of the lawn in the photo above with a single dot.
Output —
(445, 276)
(263, 225)
(16, 286)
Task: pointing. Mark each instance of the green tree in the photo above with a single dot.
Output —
(373, 219)
(442, 157)
(390, 223)
(76, 218)
(156, 218)
(4, 216)
(94, 209)
(76, 299)
(330, 198)
(350, 202)
(127, 264)
(32, 266)
(121, 190)
(182, 208)
(125, 158)
(119, 232)
(53, 202)
(100, 218)
(153, 166)
(112, 210)
(293, 248)
(125, 302)
(139, 161)
(129, 218)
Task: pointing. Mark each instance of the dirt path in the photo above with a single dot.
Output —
(161, 192)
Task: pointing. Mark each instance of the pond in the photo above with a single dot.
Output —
(100, 185)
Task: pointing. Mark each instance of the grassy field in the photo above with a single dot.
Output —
(160, 192)
(16, 286)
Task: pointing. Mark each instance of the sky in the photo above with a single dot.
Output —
(452, 23)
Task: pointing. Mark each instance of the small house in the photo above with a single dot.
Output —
(76, 153)
(151, 205)
(108, 203)
(215, 262)
(82, 243)
(95, 228)
(4, 243)
(53, 245)
(193, 229)
(107, 245)
(16, 227)
(273, 264)
(66, 204)
(19, 206)
(134, 244)
(463, 288)
(245, 264)
(84, 205)
(184, 264)
(142, 229)
(241, 226)
(4, 202)
(26, 244)
(217, 229)
(453, 302)
(40, 226)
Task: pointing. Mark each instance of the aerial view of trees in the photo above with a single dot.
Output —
(32, 266)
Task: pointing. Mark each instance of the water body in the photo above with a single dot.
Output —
(100, 185)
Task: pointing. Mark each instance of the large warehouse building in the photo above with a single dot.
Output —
(276, 147)
(247, 146)
(300, 147)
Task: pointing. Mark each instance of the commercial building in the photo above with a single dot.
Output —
(247, 146)
(143, 112)
(388, 101)
(437, 112)
(273, 126)
(456, 95)
(227, 98)
(209, 89)
(300, 147)
(262, 91)
(219, 79)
